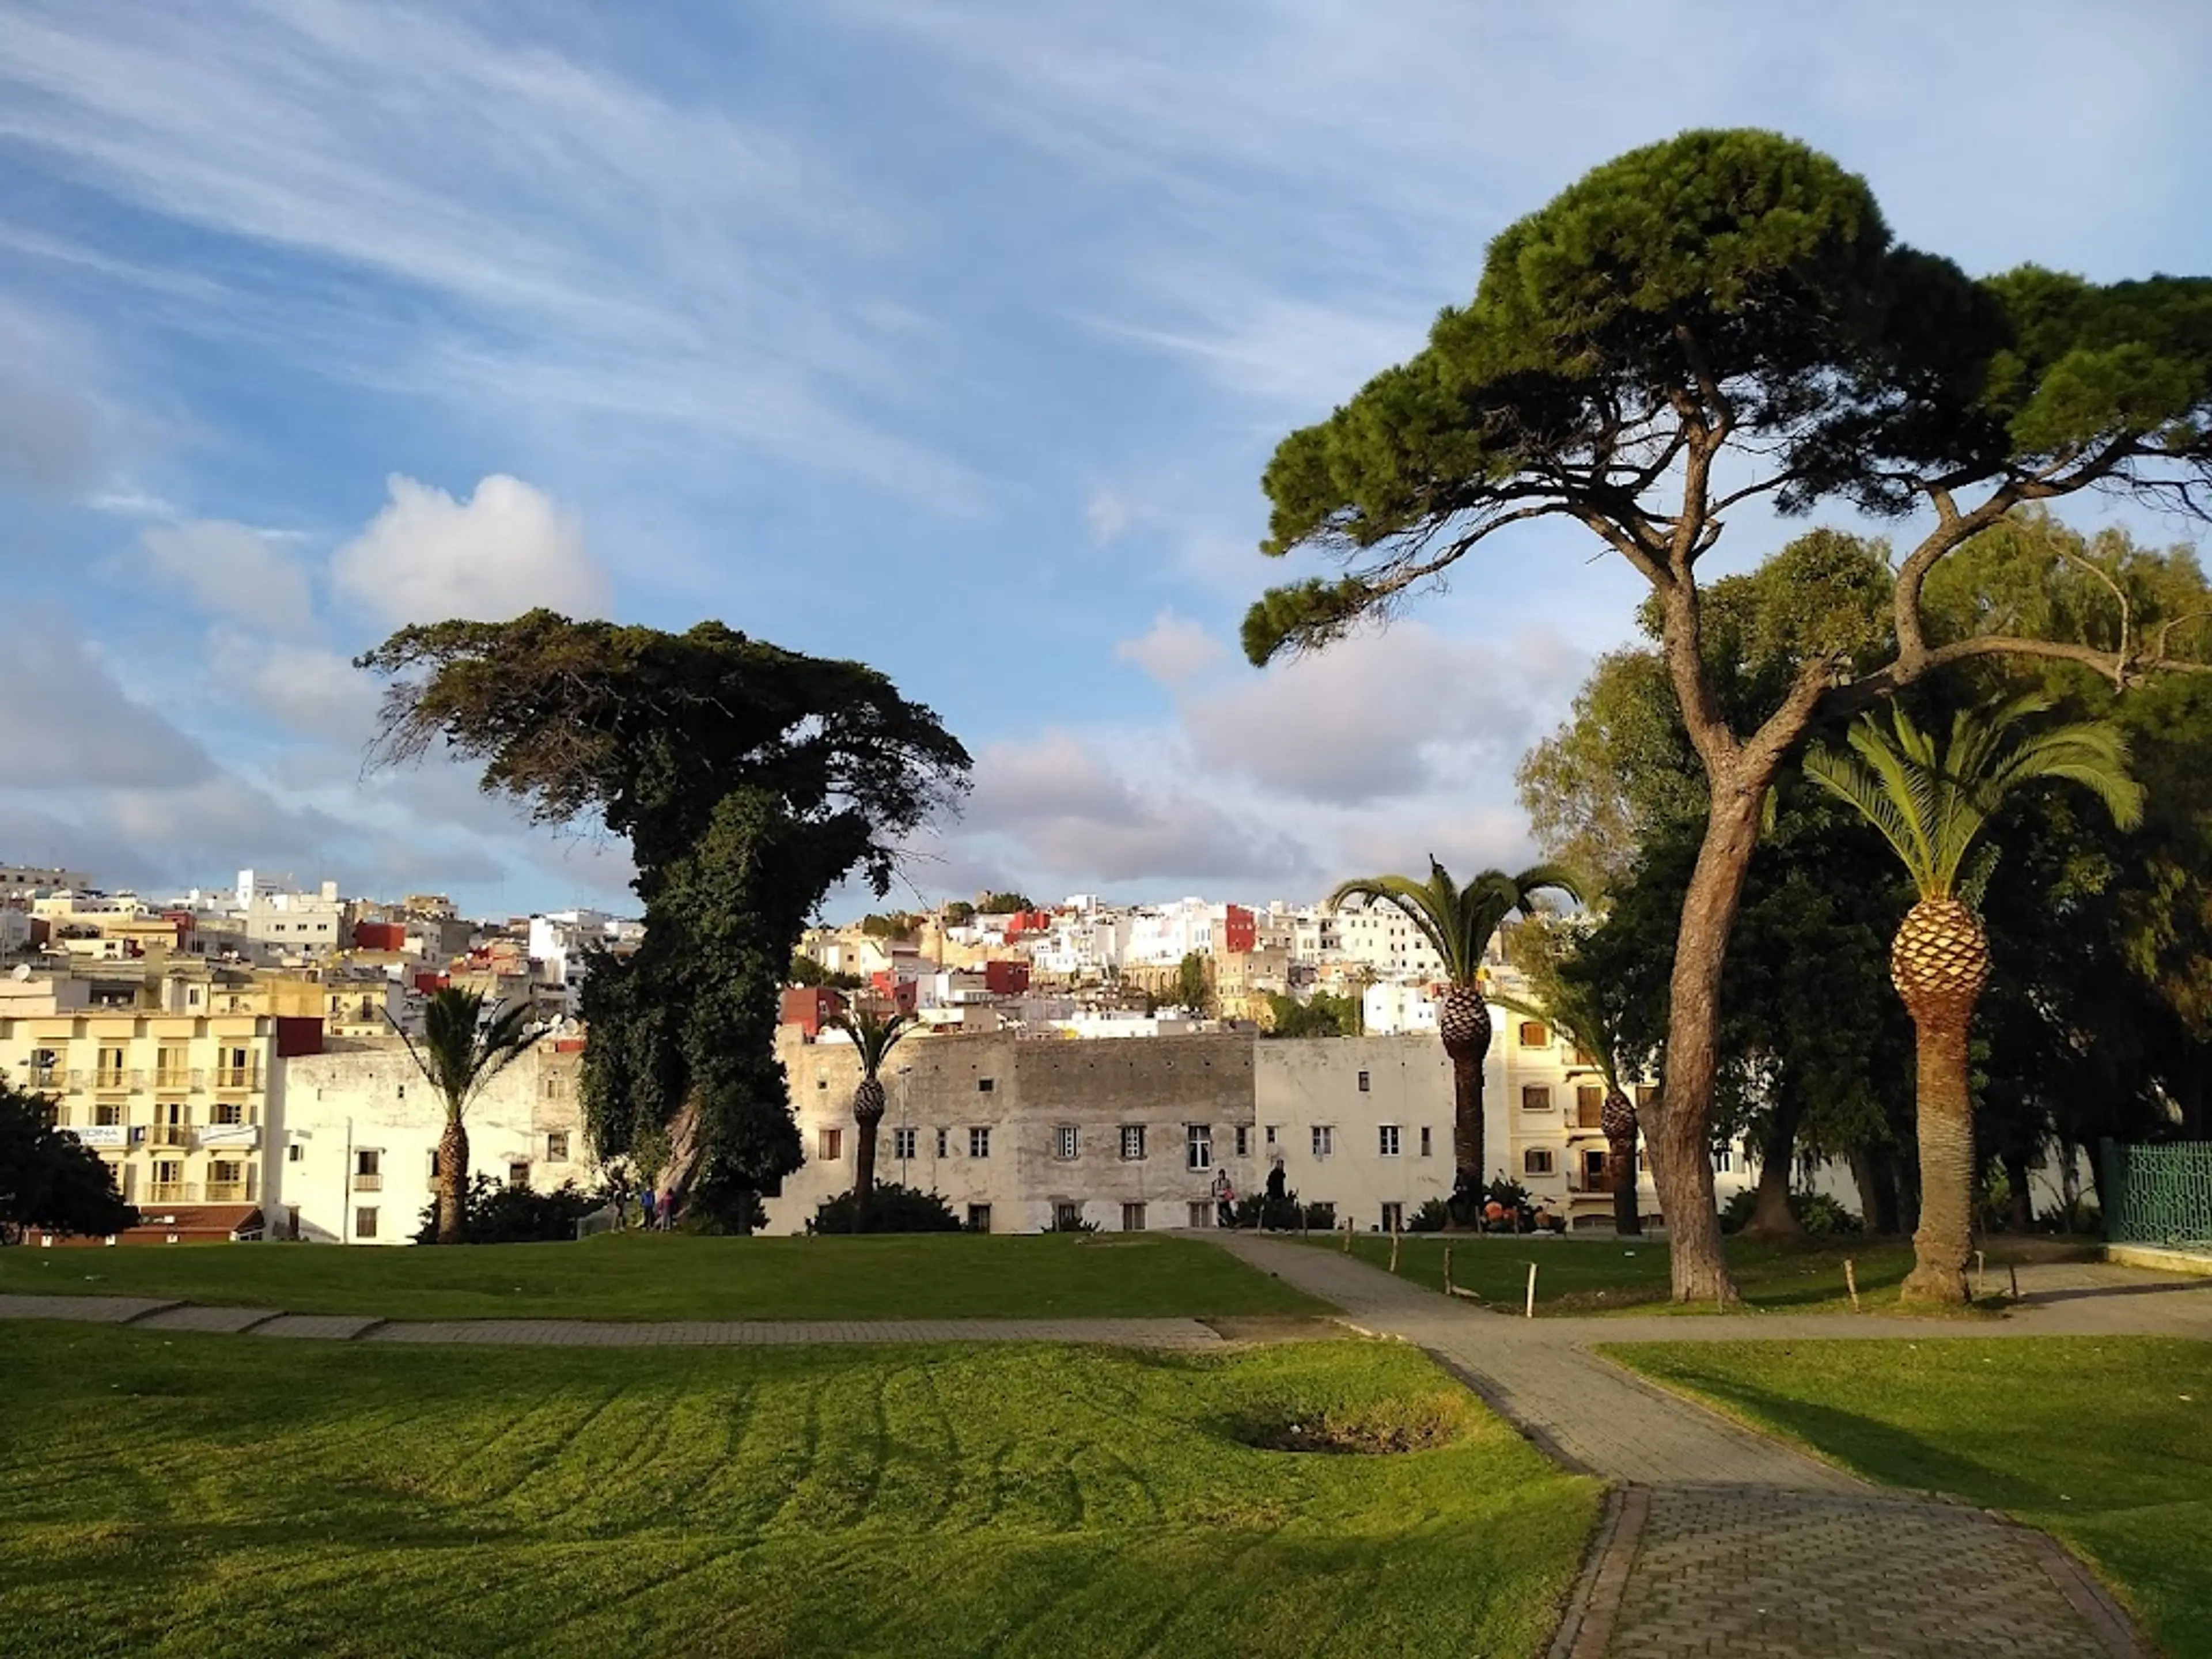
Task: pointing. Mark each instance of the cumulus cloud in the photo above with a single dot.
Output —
(1172, 650)
(233, 570)
(509, 547)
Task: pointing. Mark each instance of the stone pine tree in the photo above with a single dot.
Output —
(461, 1049)
(1932, 798)
(1459, 922)
(748, 781)
(1698, 329)
(875, 1033)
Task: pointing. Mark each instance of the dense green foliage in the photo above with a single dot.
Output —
(1194, 985)
(680, 1276)
(748, 780)
(806, 971)
(494, 1212)
(769, 1503)
(2105, 1442)
(1004, 904)
(1320, 1015)
(49, 1178)
(891, 1209)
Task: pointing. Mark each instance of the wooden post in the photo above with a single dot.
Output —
(1851, 1283)
(2015, 1267)
(1981, 1274)
(1532, 1290)
(1394, 1249)
(1448, 1284)
(1348, 1234)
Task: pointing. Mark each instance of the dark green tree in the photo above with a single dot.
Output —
(1004, 904)
(1319, 1016)
(1194, 990)
(50, 1179)
(748, 780)
(1719, 320)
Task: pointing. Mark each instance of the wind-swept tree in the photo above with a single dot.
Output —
(1459, 923)
(1716, 321)
(875, 1033)
(748, 780)
(461, 1050)
(1931, 799)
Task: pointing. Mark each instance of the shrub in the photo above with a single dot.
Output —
(492, 1212)
(1818, 1213)
(892, 1209)
(1070, 1224)
(1321, 1218)
(1432, 1216)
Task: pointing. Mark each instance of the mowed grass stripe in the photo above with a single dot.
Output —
(1021, 1500)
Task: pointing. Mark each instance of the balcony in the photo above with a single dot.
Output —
(229, 1192)
(172, 1192)
(236, 1079)
(369, 1183)
(107, 1082)
(169, 1134)
(172, 1083)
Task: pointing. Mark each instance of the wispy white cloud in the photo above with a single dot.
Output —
(233, 570)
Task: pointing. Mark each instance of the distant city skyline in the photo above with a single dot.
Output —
(951, 335)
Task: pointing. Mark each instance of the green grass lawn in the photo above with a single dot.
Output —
(1590, 1275)
(199, 1497)
(678, 1276)
(2105, 1442)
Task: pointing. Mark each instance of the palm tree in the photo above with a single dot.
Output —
(874, 1034)
(461, 1051)
(1931, 801)
(1458, 923)
(1577, 1014)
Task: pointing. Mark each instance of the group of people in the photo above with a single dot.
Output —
(656, 1215)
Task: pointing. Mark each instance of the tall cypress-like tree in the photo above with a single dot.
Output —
(748, 780)
(1719, 320)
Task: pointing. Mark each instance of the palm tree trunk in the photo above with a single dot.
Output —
(452, 1180)
(1945, 1236)
(1772, 1218)
(1627, 1189)
(864, 1172)
(1466, 1134)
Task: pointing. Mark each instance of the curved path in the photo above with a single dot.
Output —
(1721, 1542)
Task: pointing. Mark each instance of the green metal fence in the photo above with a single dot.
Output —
(2159, 1194)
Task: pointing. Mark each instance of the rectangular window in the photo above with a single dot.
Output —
(1594, 1170)
(983, 1086)
(107, 1114)
(1393, 1218)
(1535, 1098)
(1133, 1141)
(1243, 1141)
(1537, 1160)
(902, 1143)
(1589, 1106)
(1065, 1141)
(1324, 1140)
(1198, 1146)
(364, 1223)
(1200, 1214)
(1067, 1218)
(227, 1112)
(1424, 1140)
(828, 1146)
(556, 1147)
(1723, 1161)
(979, 1143)
(1271, 1134)
(1386, 1138)
(943, 1138)
(367, 1169)
(1534, 1035)
(518, 1175)
(1132, 1218)
(979, 1218)
(295, 1153)
(1362, 1083)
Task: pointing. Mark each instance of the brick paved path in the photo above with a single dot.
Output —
(1725, 1542)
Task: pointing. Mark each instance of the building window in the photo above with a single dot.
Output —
(1393, 1218)
(108, 1114)
(1533, 1034)
(1198, 1146)
(944, 1137)
(1324, 1140)
(364, 1223)
(1594, 1170)
(367, 1169)
(1067, 1218)
(828, 1146)
(1065, 1141)
(1271, 1134)
(1723, 1161)
(1424, 1140)
(1362, 1083)
(983, 1086)
(902, 1143)
(1243, 1141)
(1200, 1214)
(1589, 1106)
(978, 1145)
(979, 1218)
(1537, 1160)
(556, 1147)
(1386, 1137)
(1535, 1098)
(227, 1112)
(1132, 1218)
(295, 1153)
(1132, 1140)
(518, 1175)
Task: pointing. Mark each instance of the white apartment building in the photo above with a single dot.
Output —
(1391, 1009)
(354, 1157)
(1165, 934)
(1381, 937)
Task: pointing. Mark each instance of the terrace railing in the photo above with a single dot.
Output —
(2159, 1194)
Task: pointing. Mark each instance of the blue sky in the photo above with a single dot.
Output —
(950, 335)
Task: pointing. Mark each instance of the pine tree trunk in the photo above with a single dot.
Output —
(1680, 1138)
(1467, 1179)
(1772, 1218)
(452, 1180)
(1944, 1238)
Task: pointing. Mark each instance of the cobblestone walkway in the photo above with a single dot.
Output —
(1724, 1542)
(145, 1314)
